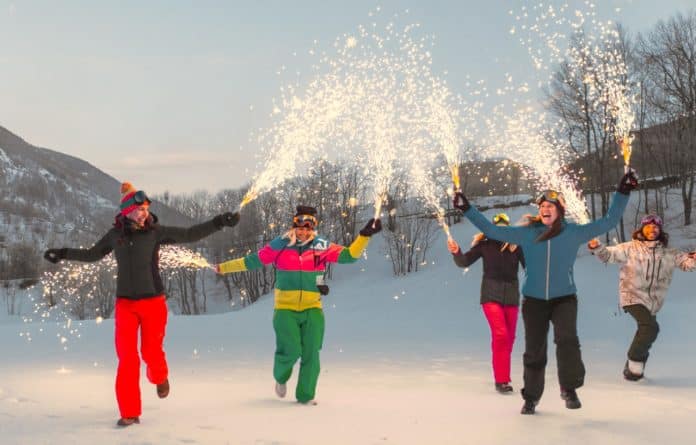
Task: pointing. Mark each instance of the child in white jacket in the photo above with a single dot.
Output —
(647, 265)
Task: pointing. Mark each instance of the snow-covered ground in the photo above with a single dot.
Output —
(405, 361)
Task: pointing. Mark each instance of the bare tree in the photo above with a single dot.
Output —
(668, 56)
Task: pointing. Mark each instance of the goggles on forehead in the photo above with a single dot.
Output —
(138, 198)
(501, 218)
(651, 219)
(551, 196)
(308, 221)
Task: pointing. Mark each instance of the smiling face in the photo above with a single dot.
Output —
(651, 232)
(303, 233)
(548, 212)
(139, 215)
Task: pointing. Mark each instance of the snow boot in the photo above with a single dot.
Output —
(163, 389)
(280, 389)
(571, 398)
(529, 406)
(308, 402)
(127, 421)
(503, 388)
(633, 371)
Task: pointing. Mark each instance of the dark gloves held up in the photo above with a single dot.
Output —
(228, 219)
(373, 226)
(54, 255)
(628, 183)
(460, 202)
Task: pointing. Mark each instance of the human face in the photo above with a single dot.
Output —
(139, 215)
(548, 213)
(303, 233)
(651, 232)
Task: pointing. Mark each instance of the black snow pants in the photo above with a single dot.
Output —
(537, 314)
(646, 334)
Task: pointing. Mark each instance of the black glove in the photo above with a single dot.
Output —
(628, 182)
(322, 286)
(228, 219)
(460, 202)
(373, 226)
(54, 255)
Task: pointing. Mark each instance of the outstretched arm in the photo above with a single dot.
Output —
(177, 235)
(514, 235)
(685, 261)
(611, 254)
(95, 253)
(256, 260)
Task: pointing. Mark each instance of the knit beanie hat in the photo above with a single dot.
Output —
(131, 198)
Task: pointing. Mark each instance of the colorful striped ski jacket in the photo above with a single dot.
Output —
(297, 267)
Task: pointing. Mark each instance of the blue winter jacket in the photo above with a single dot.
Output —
(549, 271)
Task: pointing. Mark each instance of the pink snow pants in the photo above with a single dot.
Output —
(502, 320)
(149, 316)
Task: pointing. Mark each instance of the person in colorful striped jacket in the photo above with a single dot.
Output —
(300, 257)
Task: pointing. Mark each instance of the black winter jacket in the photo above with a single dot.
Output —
(499, 283)
(137, 253)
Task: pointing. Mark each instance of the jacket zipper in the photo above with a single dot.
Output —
(652, 279)
(548, 266)
(299, 302)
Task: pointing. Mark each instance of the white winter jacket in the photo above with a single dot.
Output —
(646, 270)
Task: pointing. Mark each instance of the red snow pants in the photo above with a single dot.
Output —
(502, 320)
(150, 317)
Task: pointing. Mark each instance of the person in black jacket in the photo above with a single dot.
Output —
(500, 295)
(140, 301)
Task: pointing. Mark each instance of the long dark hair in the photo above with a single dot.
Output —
(663, 238)
(556, 226)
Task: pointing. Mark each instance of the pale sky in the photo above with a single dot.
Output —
(166, 93)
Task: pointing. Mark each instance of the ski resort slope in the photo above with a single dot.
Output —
(405, 361)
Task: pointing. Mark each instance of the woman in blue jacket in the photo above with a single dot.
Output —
(550, 246)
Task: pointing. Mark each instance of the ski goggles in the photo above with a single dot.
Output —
(651, 219)
(306, 221)
(501, 218)
(139, 198)
(552, 196)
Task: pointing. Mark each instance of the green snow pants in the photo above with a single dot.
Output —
(298, 335)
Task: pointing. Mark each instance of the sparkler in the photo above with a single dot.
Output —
(596, 50)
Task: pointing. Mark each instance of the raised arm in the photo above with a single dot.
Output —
(468, 258)
(178, 235)
(95, 253)
(346, 255)
(514, 235)
(586, 232)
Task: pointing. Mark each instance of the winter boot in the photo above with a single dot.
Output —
(571, 398)
(127, 421)
(529, 406)
(503, 388)
(633, 370)
(308, 402)
(280, 389)
(163, 389)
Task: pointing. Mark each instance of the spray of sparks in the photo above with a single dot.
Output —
(527, 134)
(373, 101)
(593, 47)
(76, 283)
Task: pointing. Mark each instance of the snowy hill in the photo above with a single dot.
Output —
(48, 197)
(405, 361)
